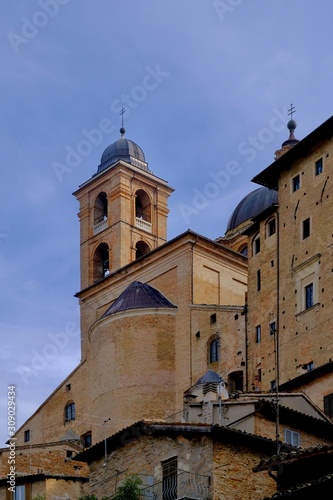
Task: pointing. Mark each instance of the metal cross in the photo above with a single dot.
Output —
(122, 115)
(291, 111)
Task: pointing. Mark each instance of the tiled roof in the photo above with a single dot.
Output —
(292, 456)
(138, 296)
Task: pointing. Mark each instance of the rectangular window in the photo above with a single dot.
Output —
(87, 440)
(213, 319)
(19, 492)
(295, 183)
(258, 334)
(273, 385)
(271, 227)
(328, 405)
(272, 328)
(292, 438)
(308, 292)
(26, 436)
(306, 228)
(319, 166)
(258, 280)
(308, 366)
(256, 245)
(169, 479)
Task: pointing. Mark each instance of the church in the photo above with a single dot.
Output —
(191, 336)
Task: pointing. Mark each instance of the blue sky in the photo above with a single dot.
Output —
(206, 86)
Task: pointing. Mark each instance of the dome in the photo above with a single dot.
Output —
(253, 204)
(138, 296)
(125, 150)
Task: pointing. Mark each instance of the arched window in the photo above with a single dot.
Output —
(235, 381)
(214, 349)
(100, 208)
(141, 249)
(142, 206)
(70, 412)
(101, 262)
(243, 250)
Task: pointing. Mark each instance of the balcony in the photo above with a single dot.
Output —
(185, 486)
(143, 224)
(100, 225)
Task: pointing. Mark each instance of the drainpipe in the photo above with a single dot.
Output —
(276, 336)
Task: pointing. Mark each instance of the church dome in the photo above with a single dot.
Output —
(125, 150)
(253, 204)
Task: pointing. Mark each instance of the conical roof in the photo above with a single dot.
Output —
(209, 377)
(138, 296)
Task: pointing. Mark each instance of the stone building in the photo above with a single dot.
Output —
(253, 306)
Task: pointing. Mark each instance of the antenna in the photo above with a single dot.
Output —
(105, 453)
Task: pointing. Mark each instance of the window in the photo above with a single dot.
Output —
(213, 319)
(87, 440)
(306, 228)
(141, 249)
(308, 366)
(142, 206)
(271, 227)
(70, 412)
(295, 183)
(19, 492)
(328, 405)
(292, 438)
(318, 166)
(258, 334)
(258, 280)
(26, 436)
(169, 479)
(214, 350)
(100, 208)
(236, 381)
(69, 453)
(256, 245)
(68, 387)
(101, 262)
(243, 250)
(308, 296)
(272, 328)
(273, 385)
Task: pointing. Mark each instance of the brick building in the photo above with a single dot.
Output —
(157, 314)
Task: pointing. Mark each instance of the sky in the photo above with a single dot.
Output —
(206, 86)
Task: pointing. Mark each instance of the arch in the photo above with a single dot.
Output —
(236, 381)
(213, 349)
(243, 249)
(101, 264)
(100, 207)
(141, 248)
(142, 206)
(70, 411)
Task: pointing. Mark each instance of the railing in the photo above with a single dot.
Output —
(185, 485)
(99, 226)
(143, 224)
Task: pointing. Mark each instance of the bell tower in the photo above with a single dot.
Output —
(123, 212)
